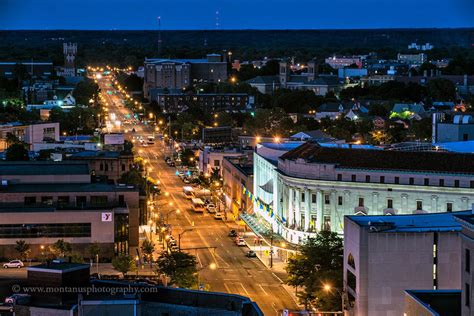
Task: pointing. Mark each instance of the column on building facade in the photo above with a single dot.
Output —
(290, 218)
(298, 207)
(307, 213)
(404, 204)
(319, 209)
(346, 203)
(375, 204)
(434, 203)
(335, 220)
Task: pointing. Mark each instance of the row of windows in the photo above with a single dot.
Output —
(411, 181)
(340, 201)
(95, 200)
(45, 230)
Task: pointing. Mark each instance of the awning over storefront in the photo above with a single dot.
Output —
(267, 187)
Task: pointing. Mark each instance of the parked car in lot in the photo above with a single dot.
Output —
(240, 242)
(233, 233)
(211, 208)
(218, 215)
(13, 264)
(251, 254)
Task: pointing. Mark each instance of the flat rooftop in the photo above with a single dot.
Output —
(31, 168)
(430, 222)
(55, 267)
(65, 187)
(438, 302)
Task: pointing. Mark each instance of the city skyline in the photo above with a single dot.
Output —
(192, 15)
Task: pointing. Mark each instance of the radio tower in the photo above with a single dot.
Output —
(159, 36)
(217, 20)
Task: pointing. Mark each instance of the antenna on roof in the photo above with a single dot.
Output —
(217, 19)
(159, 36)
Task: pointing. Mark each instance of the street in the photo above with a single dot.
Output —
(234, 272)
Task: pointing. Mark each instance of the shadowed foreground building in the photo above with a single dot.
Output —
(397, 265)
(120, 298)
(41, 202)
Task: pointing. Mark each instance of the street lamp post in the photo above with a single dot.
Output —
(328, 288)
(179, 237)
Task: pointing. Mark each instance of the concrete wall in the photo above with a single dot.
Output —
(467, 277)
(101, 232)
(447, 132)
(389, 263)
(414, 308)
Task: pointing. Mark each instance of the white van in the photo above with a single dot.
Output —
(198, 205)
(188, 192)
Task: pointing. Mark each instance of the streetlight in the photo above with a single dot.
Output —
(211, 266)
(137, 259)
(328, 288)
(179, 237)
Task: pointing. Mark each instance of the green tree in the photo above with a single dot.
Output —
(180, 267)
(148, 247)
(441, 89)
(23, 249)
(77, 258)
(17, 152)
(93, 250)
(11, 139)
(319, 262)
(85, 90)
(123, 263)
(60, 248)
(188, 158)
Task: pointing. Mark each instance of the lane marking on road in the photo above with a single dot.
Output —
(263, 289)
(199, 259)
(227, 288)
(273, 306)
(244, 289)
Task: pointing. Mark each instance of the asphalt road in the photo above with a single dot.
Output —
(234, 272)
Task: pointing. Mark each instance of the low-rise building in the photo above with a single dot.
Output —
(212, 158)
(415, 59)
(237, 173)
(42, 202)
(313, 186)
(108, 164)
(461, 129)
(30, 134)
(208, 102)
(386, 255)
(338, 62)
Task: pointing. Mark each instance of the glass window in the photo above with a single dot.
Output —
(468, 260)
(397, 180)
(412, 181)
(30, 200)
(361, 202)
(351, 261)
(339, 200)
(426, 181)
(47, 200)
(449, 207)
(99, 200)
(327, 200)
(313, 198)
(45, 230)
(367, 178)
(216, 163)
(389, 203)
(441, 182)
(351, 280)
(419, 205)
(382, 179)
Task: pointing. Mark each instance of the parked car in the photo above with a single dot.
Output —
(211, 208)
(218, 215)
(13, 264)
(233, 233)
(240, 242)
(251, 254)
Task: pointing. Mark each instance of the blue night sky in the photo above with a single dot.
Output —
(243, 14)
